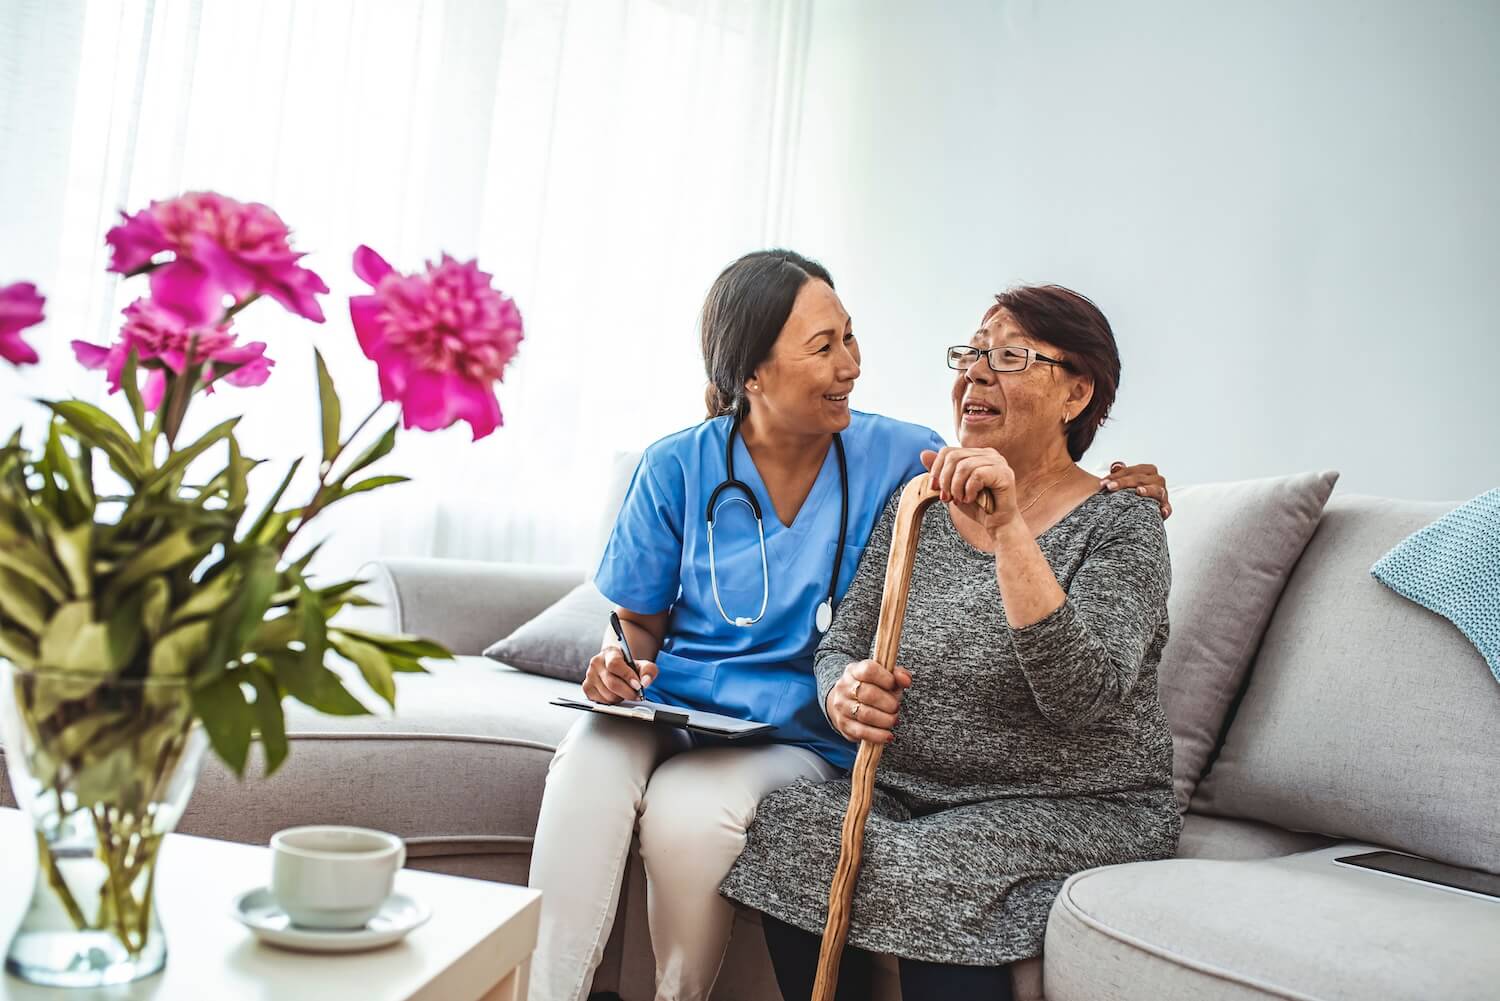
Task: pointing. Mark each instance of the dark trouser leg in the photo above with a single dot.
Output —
(794, 955)
(938, 981)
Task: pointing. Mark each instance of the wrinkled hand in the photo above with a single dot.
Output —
(1143, 479)
(610, 679)
(961, 474)
(862, 705)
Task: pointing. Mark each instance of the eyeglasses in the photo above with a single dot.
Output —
(1001, 359)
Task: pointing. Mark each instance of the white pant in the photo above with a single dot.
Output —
(611, 779)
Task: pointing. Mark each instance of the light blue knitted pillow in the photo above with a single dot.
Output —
(1452, 567)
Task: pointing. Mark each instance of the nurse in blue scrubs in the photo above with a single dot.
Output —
(721, 617)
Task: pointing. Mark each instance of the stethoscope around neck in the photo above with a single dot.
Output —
(823, 618)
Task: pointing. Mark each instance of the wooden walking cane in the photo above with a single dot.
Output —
(917, 496)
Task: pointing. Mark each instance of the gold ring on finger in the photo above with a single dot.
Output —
(855, 691)
(854, 713)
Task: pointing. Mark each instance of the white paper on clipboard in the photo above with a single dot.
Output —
(655, 712)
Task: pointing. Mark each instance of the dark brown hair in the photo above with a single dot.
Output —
(743, 315)
(1070, 322)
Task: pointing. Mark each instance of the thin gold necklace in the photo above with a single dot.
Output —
(1044, 492)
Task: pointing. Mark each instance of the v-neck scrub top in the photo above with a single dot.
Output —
(657, 561)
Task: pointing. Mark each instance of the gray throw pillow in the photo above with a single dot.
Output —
(559, 642)
(1233, 546)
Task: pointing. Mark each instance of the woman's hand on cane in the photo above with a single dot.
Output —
(862, 705)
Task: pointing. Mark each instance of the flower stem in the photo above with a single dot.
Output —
(232, 311)
(320, 496)
(58, 884)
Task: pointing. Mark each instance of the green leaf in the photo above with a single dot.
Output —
(51, 496)
(125, 628)
(239, 475)
(175, 548)
(23, 602)
(243, 615)
(372, 664)
(92, 425)
(227, 717)
(74, 641)
(17, 647)
(358, 601)
(74, 550)
(24, 557)
(409, 646)
(270, 719)
(343, 587)
(377, 451)
(272, 635)
(313, 627)
(208, 598)
(175, 654)
(75, 473)
(372, 483)
(29, 562)
(131, 383)
(328, 403)
(268, 525)
(181, 458)
(299, 568)
(157, 595)
(401, 664)
(316, 686)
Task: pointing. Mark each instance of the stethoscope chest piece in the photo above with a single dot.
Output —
(824, 617)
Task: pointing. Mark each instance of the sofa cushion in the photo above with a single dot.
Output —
(458, 770)
(1293, 927)
(1233, 838)
(559, 642)
(463, 604)
(1366, 716)
(1232, 546)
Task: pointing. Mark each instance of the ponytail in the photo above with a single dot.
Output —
(717, 402)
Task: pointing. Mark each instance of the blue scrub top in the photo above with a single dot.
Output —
(657, 561)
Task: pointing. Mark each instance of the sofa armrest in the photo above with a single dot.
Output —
(463, 604)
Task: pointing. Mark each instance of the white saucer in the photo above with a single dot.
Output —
(257, 910)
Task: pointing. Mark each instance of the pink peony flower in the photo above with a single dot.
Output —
(163, 341)
(20, 307)
(440, 340)
(221, 247)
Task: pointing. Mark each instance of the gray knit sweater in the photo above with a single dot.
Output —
(1021, 755)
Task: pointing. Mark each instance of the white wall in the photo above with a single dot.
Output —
(1290, 213)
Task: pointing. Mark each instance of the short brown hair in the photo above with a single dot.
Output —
(1071, 322)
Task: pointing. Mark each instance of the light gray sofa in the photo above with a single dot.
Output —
(1364, 721)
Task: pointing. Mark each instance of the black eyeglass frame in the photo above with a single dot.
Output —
(989, 355)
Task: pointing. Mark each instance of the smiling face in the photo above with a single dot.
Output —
(804, 383)
(1019, 414)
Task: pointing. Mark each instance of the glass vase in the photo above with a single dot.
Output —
(104, 767)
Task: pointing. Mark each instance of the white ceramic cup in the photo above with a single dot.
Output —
(333, 877)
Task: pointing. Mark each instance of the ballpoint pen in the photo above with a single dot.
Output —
(614, 623)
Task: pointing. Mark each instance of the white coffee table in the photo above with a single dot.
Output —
(477, 945)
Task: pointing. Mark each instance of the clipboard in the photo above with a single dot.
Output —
(726, 727)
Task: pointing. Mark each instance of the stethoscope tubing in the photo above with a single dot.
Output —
(731, 484)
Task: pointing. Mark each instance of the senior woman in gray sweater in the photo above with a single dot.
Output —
(1025, 737)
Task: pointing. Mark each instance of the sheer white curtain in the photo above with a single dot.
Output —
(602, 158)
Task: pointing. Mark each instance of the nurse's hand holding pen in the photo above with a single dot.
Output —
(610, 677)
(862, 705)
